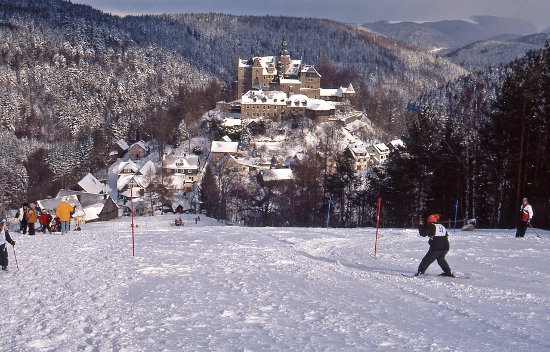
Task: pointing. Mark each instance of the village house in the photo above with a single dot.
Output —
(276, 176)
(219, 148)
(396, 144)
(138, 178)
(121, 148)
(181, 171)
(241, 166)
(378, 152)
(92, 185)
(358, 151)
(138, 150)
(337, 95)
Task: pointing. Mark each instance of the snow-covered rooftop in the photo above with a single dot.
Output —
(91, 184)
(336, 92)
(397, 143)
(277, 175)
(224, 147)
(92, 211)
(122, 144)
(264, 97)
(141, 144)
(358, 148)
(148, 169)
(294, 68)
(232, 122)
(382, 148)
(290, 81)
(181, 162)
(320, 105)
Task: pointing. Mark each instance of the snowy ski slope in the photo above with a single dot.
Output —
(208, 287)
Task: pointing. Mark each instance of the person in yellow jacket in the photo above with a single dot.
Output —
(64, 211)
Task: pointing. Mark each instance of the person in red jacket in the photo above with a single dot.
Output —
(439, 245)
(526, 214)
(45, 219)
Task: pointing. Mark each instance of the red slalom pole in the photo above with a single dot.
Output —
(377, 223)
(132, 208)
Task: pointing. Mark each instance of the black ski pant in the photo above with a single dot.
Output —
(23, 226)
(432, 256)
(32, 231)
(522, 228)
(3, 256)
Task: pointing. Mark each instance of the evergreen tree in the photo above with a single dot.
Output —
(518, 135)
(209, 194)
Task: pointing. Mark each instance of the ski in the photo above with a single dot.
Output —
(431, 275)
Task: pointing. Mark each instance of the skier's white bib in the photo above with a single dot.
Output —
(440, 230)
(3, 236)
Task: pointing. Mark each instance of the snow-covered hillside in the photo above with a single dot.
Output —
(225, 288)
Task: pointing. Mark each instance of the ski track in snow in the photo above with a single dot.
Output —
(208, 287)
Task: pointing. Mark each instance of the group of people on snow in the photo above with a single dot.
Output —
(429, 227)
(439, 238)
(28, 217)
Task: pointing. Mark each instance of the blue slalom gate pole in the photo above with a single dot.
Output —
(328, 214)
(456, 215)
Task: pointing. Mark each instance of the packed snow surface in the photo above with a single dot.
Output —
(209, 287)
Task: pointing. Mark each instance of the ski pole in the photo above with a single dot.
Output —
(15, 256)
(531, 226)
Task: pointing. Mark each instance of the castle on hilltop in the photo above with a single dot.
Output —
(268, 86)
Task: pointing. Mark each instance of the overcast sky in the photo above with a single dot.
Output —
(356, 11)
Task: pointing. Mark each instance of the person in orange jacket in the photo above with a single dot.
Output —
(32, 217)
(64, 211)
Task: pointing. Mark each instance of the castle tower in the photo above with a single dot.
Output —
(284, 58)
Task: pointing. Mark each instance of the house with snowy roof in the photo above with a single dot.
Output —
(378, 152)
(338, 95)
(396, 144)
(121, 148)
(358, 151)
(220, 148)
(241, 166)
(181, 171)
(138, 150)
(135, 177)
(276, 176)
(92, 185)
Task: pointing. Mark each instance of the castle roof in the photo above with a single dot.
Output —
(264, 97)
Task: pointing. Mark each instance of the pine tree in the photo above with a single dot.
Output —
(209, 194)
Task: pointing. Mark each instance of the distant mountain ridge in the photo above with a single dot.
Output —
(493, 52)
(451, 34)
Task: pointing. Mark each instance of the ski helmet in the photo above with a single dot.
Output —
(433, 218)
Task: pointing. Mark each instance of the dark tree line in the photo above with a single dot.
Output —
(487, 152)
